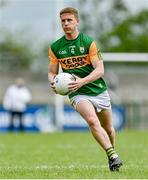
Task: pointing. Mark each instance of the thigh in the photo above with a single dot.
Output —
(105, 117)
(86, 110)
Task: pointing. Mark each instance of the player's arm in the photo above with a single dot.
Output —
(97, 63)
(98, 71)
(52, 71)
(53, 68)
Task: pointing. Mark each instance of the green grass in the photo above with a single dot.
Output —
(71, 155)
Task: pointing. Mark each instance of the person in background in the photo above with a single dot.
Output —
(77, 53)
(15, 101)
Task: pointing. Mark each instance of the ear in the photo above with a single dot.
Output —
(78, 20)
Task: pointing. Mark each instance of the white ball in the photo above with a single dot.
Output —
(61, 82)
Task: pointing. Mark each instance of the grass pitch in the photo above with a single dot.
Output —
(70, 155)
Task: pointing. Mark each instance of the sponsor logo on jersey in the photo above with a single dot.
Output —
(74, 62)
(62, 52)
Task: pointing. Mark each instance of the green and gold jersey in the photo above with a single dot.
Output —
(75, 57)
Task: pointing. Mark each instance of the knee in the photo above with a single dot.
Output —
(110, 130)
(93, 122)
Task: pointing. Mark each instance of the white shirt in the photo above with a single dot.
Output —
(16, 98)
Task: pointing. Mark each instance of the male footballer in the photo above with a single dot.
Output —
(77, 53)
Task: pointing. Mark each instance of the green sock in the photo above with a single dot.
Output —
(111, 153)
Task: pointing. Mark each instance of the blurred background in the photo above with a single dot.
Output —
(28, 27)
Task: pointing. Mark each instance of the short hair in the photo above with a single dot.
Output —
(70, 10)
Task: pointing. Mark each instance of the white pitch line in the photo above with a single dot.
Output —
(66, 167)
(55, 167)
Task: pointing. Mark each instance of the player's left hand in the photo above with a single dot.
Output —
(74, 86)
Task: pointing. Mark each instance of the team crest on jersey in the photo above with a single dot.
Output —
(72, 49)
(82, 49)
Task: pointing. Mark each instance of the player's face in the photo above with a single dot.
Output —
(69, 23)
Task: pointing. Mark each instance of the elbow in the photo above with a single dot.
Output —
(101, 73)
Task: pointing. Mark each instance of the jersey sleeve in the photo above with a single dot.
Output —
(52, 58)
(94, 52)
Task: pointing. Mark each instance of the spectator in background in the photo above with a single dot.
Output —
(15, 101)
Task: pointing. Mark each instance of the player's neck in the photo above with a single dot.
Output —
(72, 36)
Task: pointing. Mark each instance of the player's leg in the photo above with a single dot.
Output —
(105, 117)
(87, 111)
